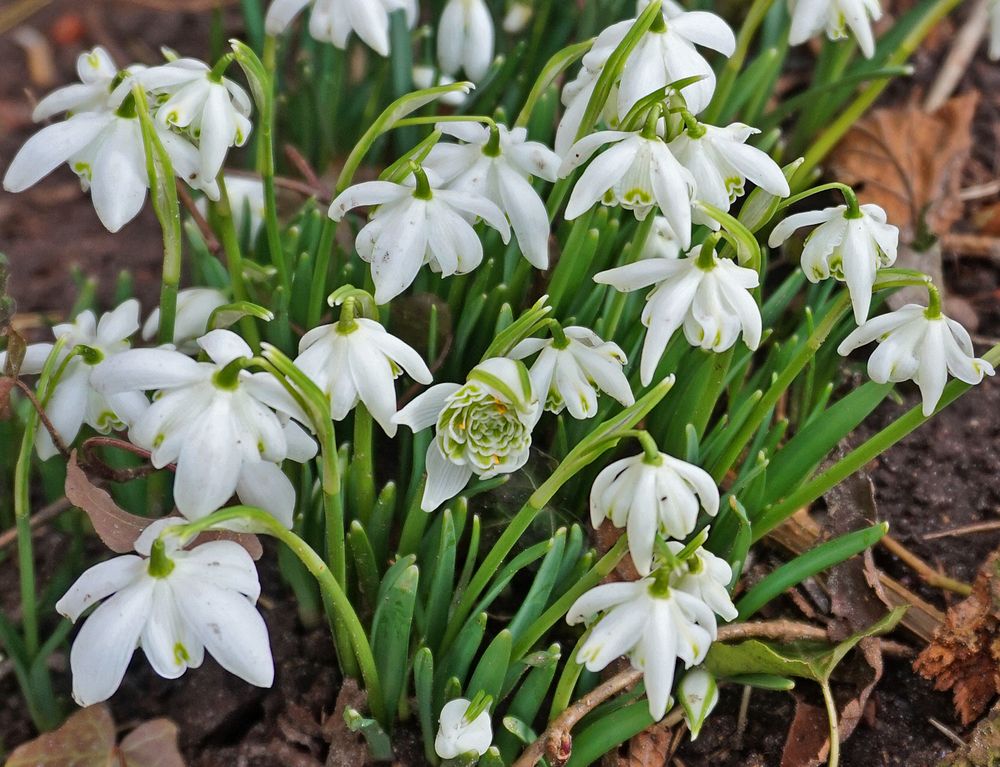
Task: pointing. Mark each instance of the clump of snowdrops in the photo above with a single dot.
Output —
(576, 296)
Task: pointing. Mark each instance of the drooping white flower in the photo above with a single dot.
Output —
(500, 170)
(194, 309)
(457, 735)
(246, 201)
(175, 605)
(636, 172)
(662, 242)
(571, 376)
(721, 161)
(698, 694)
(707, 577)
(414, 225)
(915, 343)
(332, 21)
(213, 419)
(652, 498)
(212, 109)
(75, 401)
(482, 427)
(994, 9)
(519, 14)
(654, 621)
(835, 17)
(97, 71)
(711, 301)
(105, 149)
(358, 360)
(846, 248)
(465, 38)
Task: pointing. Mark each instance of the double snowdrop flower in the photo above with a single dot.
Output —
(654, 621)
(414, 225)
(919, 344)
(356, 359)
(652, 496)
(465, 38)
(721, 162)
(75, 401)
(173, 603)
(835, 17)
(482, 427)
(210, 108)
(194, 310)
(846, 246)
(706, 295)
(332, 21)
(498, 164)
(638, 172)
(571, 370)
(214, 420)
(459, 733)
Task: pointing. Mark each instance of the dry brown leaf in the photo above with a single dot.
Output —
(114, 526)
(910, 162)
(152, 744)
(965, 654)
(650, 748)
(347, 749)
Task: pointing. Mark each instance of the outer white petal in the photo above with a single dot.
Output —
(103, 647)
(118, 186)
(659, 661)
(613, 635)
(601, 598)
(445, 479)
(208, 466)
(98, 582)
(373, 380)
(784, 229)
(280, 14)
(528, 216)
(224, 346)
(423, 411)
(231, 629)
(402, 354)
(265, 485)
(640, 274)
(66, 410)
(477, 206)
(367, 193)
(705, 29)
(50, 148)
(145, 369)
(450, 37)
(477, 52)
(933, 372)
(225, 564)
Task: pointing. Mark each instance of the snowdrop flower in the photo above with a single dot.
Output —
(75, 401)
(194, 309)
(213, 419)
(662, 242)
(518, 16)
(414, 225)
(459, 734)
(707, 295)
(465, 38)
(652, 495)
(483, 427)
(499, 166)
(653, 621)
(666, 54)
(846, 247)
(994, 8)
(356, 359)
(707, 577)
(332, 21)
(97, 71)
(919, 344)
(175, 605)
(637, 172)
(698, 694)
(720, 161)
(212, 109)
(105, 149)
(809, 17)
(571, 370)
(246, 200)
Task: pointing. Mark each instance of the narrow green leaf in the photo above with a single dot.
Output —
(391, 629)
(492, 667)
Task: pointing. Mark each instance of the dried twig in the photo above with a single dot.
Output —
(963, 51)
(783, 630)
(927, 574)
(979, 527)
(39, 518)
(296, 158)
(211, 242)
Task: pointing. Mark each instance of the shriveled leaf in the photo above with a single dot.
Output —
(116, 528)
(910, 162)
(87, 739)
(152, 744)
(965, 652)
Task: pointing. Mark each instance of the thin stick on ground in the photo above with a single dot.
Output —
(928, 574)
(979, 527)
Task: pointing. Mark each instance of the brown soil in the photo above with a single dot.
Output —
(939, 478)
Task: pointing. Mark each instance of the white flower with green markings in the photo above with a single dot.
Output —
(75, 401)
(482, 427)
(465, 38)
(706, 295)
(919, 344)
(414, 225)
(572, 369)
(97, 90)
(848, 246)
(698, 695)
(652, 495)
(463, 728)
(333, 21)
(356, 359)
(498, 165)
(173, 603)
(654, 621)
(835, 17)
(194, 310)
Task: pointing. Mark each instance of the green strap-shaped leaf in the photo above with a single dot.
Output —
(391, 630)
(492, 667)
